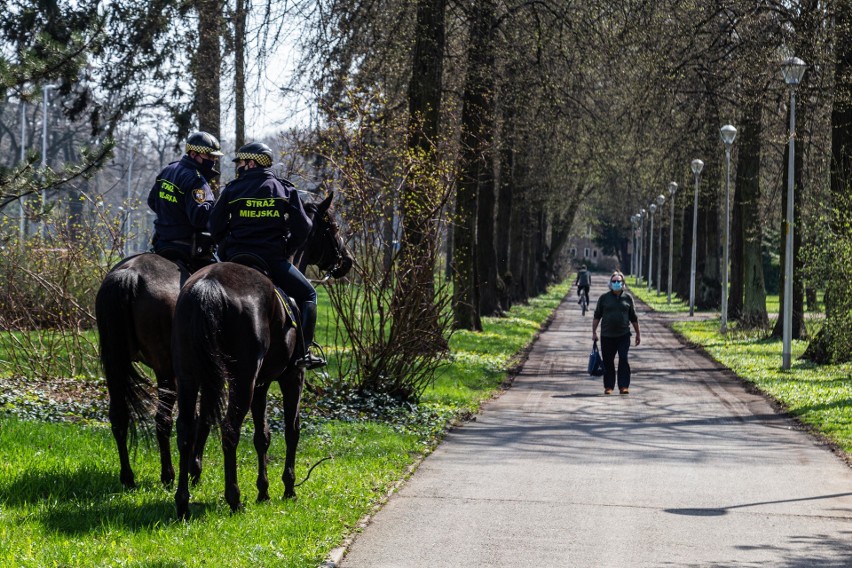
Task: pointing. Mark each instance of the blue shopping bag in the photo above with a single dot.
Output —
(596, 366)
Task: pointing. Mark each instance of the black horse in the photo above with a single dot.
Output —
(232, 328)
(134, 309)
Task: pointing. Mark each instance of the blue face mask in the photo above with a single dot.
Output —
(616, 286)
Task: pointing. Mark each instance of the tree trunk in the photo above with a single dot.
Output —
(206, 67)
(517, 247)
(708, 278)
(828, 345)
(752, 310)
(422, 197)
(736, 267)
(475, 169)
(207, 71)
(486, 254)
(506, 185)
(240, 74)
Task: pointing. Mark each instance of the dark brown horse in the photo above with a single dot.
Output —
(232, 337)
(134, 309)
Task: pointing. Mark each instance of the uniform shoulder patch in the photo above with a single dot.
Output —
(198, 195)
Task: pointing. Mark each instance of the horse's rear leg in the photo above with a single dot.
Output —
(166, 397)
(291, 387)
(239, 400)
(261, 440)
(186, 421)
(197, 460)
(119, 419)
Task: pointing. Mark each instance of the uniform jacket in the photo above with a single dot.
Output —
(259, 214)
(182, 200)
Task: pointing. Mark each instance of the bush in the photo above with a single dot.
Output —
(47, 294)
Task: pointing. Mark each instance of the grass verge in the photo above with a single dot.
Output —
(819, 396)
(61, 503)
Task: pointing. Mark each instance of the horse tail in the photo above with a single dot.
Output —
(117, 342)
(204, 318)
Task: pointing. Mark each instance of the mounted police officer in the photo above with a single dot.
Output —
(261, 216)
(182, 199)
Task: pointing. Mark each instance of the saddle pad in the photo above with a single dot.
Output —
(287, 304)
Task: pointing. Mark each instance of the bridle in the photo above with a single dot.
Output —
(330, 231)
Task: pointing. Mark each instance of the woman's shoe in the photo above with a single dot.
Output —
(607, 391)
(623, 391)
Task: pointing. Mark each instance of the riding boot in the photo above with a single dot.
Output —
(309, 323)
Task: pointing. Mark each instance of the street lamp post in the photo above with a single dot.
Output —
(793, 70)
(660, 200)
(697, 166)
(642, 216)
(635, 260)
(45, 90)
(672, 191)
(652, 208)
(728, 133)
(633, 242)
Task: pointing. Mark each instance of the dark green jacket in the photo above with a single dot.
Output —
(616, 314)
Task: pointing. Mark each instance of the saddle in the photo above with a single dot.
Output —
(288, 303)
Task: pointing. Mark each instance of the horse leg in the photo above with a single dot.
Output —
(186, 421)
(119, 419)
(195, 463)
(291, 387)
(166, 397)
(239, 400)
(261, 440)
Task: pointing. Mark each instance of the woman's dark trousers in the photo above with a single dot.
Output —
(610, 346)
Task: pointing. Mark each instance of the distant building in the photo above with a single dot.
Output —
(582, 249)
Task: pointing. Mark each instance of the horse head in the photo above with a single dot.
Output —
(325, 247)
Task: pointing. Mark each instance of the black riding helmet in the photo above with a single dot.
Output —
(257, 151)
(203, 143)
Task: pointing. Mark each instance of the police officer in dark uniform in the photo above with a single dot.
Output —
(260, 215)
(182, 199)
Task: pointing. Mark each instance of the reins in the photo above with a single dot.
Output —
(312, 468)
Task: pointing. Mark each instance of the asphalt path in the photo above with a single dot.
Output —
(689, 469)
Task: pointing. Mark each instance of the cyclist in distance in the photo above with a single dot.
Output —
(583, 282)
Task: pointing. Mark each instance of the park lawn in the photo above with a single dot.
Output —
(820, 396)
(61, 503)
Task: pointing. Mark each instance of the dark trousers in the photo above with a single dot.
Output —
(295, 284)
(610, 346)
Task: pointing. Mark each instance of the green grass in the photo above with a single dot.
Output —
(659, 302)
(61, 503)
(820, 396)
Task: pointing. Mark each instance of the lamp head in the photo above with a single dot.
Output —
(728, 133)
(672, 188)
(661, 199)
(793, 70)
(652, 208)
(697, 166)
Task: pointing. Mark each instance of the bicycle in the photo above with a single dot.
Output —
(584, 300)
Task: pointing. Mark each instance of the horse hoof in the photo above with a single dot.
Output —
(195, 471)
(238, 508)
(167, 480)
(182, 511)
(290, 495)
(261, 497)
(128, 481)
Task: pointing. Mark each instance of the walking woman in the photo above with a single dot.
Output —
(615, 313)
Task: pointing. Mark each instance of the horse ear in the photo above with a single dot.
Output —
(326, 203)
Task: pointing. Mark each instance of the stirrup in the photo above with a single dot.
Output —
(310, 361)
